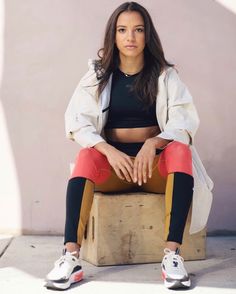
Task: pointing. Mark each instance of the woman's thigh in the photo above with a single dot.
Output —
(157, 183)
(176, 157)
(115, 184)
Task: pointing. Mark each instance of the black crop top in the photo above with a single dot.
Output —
(125, 109)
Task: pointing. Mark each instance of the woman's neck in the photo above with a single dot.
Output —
(131, 65)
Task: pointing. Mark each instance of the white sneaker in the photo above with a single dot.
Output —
(66, 271)
(173, 272)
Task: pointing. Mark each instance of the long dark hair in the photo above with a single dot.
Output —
(146, 83)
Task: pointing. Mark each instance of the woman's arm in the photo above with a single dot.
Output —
(182, 123)
(182, 117)
(81, 116)
(158, 143)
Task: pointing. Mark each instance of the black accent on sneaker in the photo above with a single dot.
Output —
(177, 251)
(77, 268)
(175, 263)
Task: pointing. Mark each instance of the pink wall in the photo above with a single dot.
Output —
(46, 45)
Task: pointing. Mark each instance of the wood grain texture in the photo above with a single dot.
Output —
(129, 228)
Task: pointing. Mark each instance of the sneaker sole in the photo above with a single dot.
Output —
(74, 278)
(175, 284)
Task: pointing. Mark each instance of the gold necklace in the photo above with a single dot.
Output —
(128, 75)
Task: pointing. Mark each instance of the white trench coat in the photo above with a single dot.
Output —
(86, 115)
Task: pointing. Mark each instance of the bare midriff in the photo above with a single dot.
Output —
(129, 135)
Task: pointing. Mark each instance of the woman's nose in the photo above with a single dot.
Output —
(130, 36)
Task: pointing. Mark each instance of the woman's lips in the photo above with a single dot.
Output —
(130, 47)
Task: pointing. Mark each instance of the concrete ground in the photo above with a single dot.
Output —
(25, 260)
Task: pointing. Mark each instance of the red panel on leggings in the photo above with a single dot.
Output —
(176, 157)
(86, 165)
(92, 164)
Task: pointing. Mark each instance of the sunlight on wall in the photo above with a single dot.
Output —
(229, 4)
(10, 220)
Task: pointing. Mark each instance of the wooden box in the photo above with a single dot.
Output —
(129, 228)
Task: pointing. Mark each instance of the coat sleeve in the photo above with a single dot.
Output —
(81, 117)
(182, 118)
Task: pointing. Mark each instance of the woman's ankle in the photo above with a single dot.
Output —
(73, 248)
(172, 245)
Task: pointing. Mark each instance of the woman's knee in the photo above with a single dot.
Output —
(87, 154)
(91, 164)
(176, 157)
(178, 149)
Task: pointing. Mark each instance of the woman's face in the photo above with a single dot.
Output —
(130, 32)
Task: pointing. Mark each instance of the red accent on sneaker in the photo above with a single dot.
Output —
(163, 275)
(78, 277)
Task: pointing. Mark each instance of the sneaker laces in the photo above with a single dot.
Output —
(174, 254)
(64, 257)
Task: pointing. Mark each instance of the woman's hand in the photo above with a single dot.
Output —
(121, 162)
(144, 159)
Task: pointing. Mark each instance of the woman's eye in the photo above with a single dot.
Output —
(140, 30)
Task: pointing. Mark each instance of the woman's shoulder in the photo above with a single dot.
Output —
(91, 62)
(94, 65)
(170, 74)
(90, 75)
(169, 70)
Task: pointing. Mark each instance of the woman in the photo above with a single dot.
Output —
(136, 122)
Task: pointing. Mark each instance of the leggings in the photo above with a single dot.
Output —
(171, 174)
